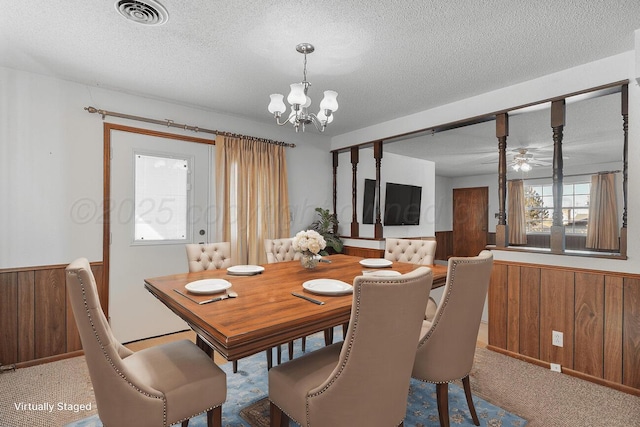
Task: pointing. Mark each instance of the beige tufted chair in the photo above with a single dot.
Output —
(414, 252)
(410, 250)
(359, 382)
(447, 345)
(158, 386)
(208, 256)
(279, 250)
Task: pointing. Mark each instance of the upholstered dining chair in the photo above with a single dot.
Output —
(413, 251)
(363, 381)
(208, 256)
(279, 250)
(157, 386)
(447, 344)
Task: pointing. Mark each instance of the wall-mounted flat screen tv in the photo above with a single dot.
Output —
(402, 204)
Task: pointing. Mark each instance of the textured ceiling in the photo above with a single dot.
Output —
(386, 59)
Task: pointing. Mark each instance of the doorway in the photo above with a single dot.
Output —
(139, 249)
(470, 220)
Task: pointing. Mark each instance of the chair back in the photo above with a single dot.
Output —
(118, 391)
(279, 250)
(447, 347)
(370, 383)
(410, 250)
(208, 256)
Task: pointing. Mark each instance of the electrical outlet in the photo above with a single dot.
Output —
(557, 338)
(555, 367)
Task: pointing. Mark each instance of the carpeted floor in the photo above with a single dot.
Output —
(542, 397)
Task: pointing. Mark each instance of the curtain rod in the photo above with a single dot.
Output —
(565, 176)
(171, 123)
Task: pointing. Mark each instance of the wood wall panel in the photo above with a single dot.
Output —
(613, 307)
(9, 318)
(498, 306)
(363, 252)
(556, 314)
(513, 308)
(529, 312)
(589, 324)
(26, 316)
(50, 316)
(597, 311)
(631, 333)
(444, 246)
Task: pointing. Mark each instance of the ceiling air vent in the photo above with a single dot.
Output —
(148, 12)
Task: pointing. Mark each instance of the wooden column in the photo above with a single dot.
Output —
(502, 131)
(355, 230)
(625, 168)
(377, 154)
(335, 188)
(557, 124)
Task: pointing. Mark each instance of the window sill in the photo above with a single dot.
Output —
(567, 252)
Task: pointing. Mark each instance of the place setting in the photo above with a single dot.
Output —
(208, 287)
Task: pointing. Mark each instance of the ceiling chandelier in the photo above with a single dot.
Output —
(300, 101)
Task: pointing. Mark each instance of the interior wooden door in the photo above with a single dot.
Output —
(470, 220)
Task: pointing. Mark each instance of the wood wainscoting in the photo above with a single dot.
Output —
(36, 320)
(598, 313)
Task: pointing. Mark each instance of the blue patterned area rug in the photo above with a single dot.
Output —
(247, 406)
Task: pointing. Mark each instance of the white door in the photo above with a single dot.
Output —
(143, 167)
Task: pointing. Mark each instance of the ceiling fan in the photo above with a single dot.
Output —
(524, 161)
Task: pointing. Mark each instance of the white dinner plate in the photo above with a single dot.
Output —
(208, 286)
(245, 270)
(376, 262)
(382, 273)
(327, 287)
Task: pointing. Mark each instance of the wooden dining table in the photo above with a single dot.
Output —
(265, 314)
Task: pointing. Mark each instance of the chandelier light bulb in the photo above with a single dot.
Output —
(329, 102)
(297, 96)
(277, 104)
(324, 119)
(516, 167)
(526, 167)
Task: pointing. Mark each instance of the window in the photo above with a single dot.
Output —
(575, 207)
(161, 196)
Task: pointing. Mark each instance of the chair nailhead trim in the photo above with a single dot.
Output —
(106, 355)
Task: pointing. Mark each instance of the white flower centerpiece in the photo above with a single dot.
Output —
(309, 243)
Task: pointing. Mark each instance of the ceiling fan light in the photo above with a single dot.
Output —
(525, 167)
(277, 104)
(297, 96)
(516, 167)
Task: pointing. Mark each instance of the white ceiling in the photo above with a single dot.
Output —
(386, 59)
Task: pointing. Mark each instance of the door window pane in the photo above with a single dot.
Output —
(161, 195)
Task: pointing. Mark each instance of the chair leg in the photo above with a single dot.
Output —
(214, 417)
(345, 328)
(269, 358)
(304, 344)
(235, 366)
(290, 350)
(328, 336)
(279, 354)
(277, 417)
(185, 423)
(442, 395)
(467, 393)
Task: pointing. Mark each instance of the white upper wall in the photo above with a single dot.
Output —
(51, 164)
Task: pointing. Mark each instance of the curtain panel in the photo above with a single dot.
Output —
(516, 213)
(252, 196)
(602, 229)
